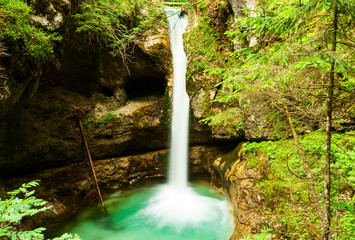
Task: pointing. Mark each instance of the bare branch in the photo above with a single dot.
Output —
(311, 188)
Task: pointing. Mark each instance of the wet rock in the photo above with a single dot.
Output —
(23, 78)
(54, 20)
(42, 132)
(233, 174)
(67, 187)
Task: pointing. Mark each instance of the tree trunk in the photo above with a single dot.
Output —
(312, 191)
(326, 213)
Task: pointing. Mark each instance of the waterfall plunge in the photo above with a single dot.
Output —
(176, 204)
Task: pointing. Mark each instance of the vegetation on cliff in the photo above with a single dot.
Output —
(288, 60)
(292, 62)
(283, 54)
(21, 36)
(34, 33)
(118, 25)
(287, 209)
(113, 24)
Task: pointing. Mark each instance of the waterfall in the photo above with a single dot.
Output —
(176, 210)
(178, 164)
(177, 205)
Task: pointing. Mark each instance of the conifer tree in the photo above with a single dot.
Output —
(303, 57)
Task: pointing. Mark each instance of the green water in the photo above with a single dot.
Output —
(132, 216)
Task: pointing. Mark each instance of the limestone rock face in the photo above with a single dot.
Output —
(157, 46)
(54, 17)
(38, 123)
(238, 5)
(233, 174)
(129, 112)
(12, 91)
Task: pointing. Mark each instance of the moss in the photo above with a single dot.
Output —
(109, 117)
(285, 189)
(208, 53)
(253, 163)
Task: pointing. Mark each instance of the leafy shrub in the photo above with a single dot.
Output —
(20, 35)
(117, 24)
(264, 235)
(14, 209)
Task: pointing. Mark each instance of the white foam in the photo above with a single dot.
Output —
(181, 208)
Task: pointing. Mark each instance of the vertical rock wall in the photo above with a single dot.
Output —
(232, 173)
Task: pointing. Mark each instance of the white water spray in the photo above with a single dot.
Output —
(180, 120)
(175, 204)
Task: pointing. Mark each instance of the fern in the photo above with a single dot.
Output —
(15, 208)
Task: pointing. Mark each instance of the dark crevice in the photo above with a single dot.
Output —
(145, 87)
(106, 91)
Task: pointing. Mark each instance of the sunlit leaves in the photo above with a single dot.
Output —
(290, 56)
(22, 203)
(286, 189)
(117, 25)
(19, 33)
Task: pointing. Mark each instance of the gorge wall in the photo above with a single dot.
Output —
(127, 122)
(129, 104)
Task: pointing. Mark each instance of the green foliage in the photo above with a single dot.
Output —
(14, 209)
(104, 22)
(345, 206)
(264, 235)
(67, 236)
(183, 1)
(121, 105)
(207, 52)
(285, 186)
(231, 117)
(21, 36)
(347, 221)
(118, 24)
(285, 57)
(109, 117)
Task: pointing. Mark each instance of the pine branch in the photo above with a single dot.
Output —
(347, 44)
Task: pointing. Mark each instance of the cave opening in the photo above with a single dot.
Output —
(145, 86)
(106, 91)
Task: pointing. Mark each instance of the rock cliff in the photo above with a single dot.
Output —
(129, 103)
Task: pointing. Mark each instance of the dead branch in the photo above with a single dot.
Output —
(305, 167)
(296, 175)
(80, 115)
